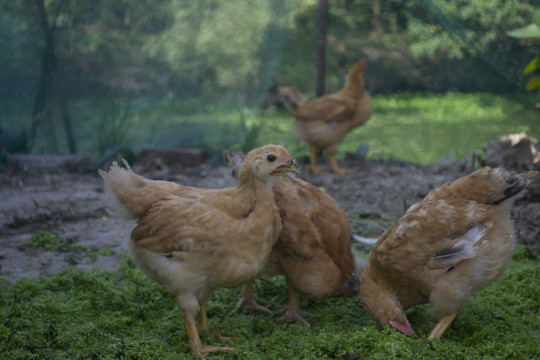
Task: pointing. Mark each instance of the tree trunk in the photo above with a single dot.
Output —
(321, 46)
(50, 76)
(66, 118)
(39, 113)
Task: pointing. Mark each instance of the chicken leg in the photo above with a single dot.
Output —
(313, 160)
(292, 311)
(195, 343)
(334, 164)
(331, 154)
(203, 319)
(249, 300)
(441, 326)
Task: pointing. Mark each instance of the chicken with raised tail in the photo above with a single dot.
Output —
(324, 122)
(454, 242)
(313, 250)
(194, 241)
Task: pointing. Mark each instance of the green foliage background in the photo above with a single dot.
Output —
(215, 59)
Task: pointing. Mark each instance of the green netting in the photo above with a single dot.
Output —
(195, 73)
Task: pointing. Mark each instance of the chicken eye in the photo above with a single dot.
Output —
(271, 158)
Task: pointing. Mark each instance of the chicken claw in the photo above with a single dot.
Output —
(249, 300)
(334, 164)
(319, 170)
(292, 312)
(195, 344)
(204, 350)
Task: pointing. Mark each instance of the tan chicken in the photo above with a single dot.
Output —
(324, 122)
(456, 241)
(313, 250)
(194, 241)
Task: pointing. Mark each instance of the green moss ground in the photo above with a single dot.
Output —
(124, 315)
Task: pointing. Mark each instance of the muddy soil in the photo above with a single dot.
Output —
(72, 205)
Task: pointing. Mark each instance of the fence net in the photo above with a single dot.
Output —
(93, 77)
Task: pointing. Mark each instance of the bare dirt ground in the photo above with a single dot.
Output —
(72, 205)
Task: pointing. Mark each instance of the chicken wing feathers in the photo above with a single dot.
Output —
(427, 229)
(328, 109)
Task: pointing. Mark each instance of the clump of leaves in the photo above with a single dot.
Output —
(531, 31)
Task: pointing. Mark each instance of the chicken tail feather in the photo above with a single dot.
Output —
(291, 97)
(118, 181)
(515, 183)
(487, 186)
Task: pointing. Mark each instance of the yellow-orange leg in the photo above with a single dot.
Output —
(441, 326)
(334, 165)
(249, 300)
(195, 343)
(203, 319)
(313, 160)
(292, 311)
(203, 324)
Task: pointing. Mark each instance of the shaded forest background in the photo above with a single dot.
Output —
(86, 67)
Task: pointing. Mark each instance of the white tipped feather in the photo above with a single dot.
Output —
(116, 181)
(465, 247)
(364, 240)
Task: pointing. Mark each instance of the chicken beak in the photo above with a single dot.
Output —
(289, 166)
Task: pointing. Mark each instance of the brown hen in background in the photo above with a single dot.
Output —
(324, 122)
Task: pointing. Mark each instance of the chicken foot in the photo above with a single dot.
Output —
(331, 154)
(441, 326)
(195, 344)
(249, 300)
(292, 312)
(334, 164)
(203, 324)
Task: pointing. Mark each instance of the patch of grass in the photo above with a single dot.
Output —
(81, 315)
(52, 242)
(104, 251)
(422, 128)
(47, 241)
(418, 128)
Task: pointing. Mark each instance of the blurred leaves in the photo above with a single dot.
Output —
(533, 65)
(531, 31)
